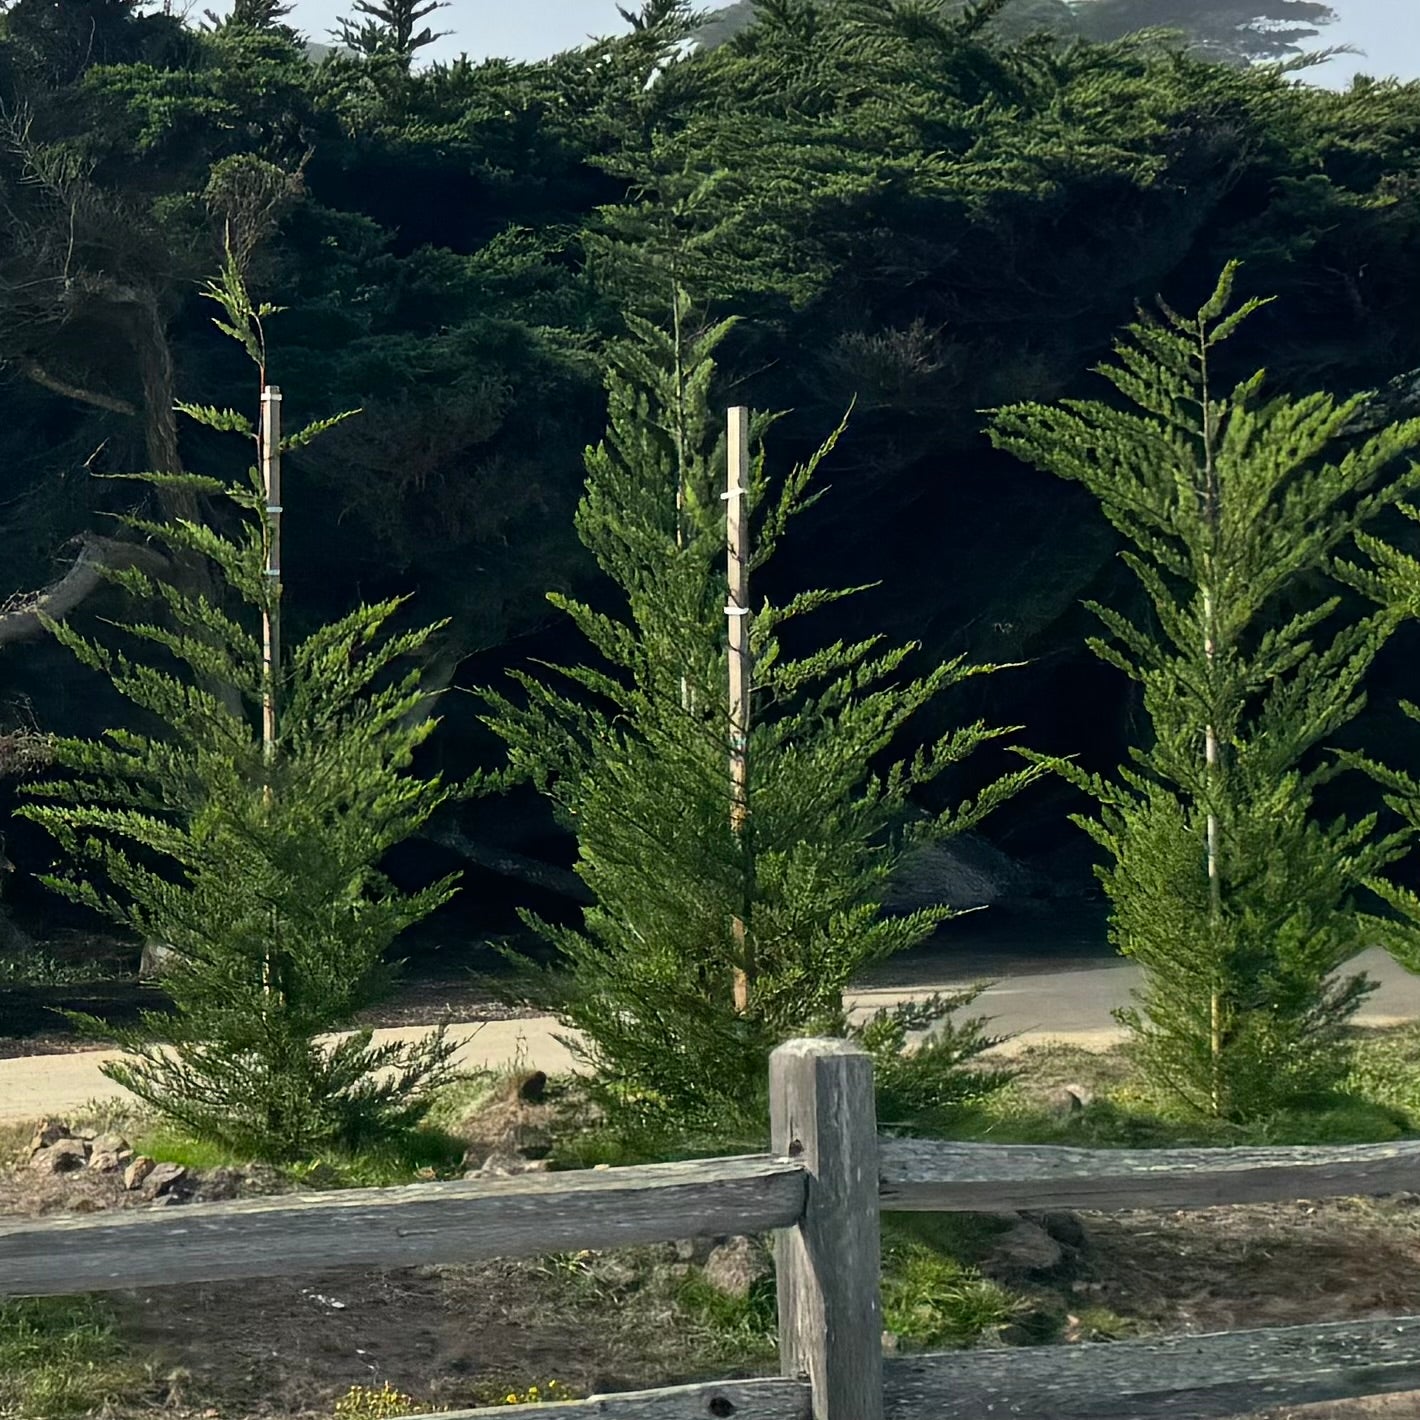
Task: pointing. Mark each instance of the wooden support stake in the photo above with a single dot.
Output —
(269, 445)
(737, 610)
(271, 614)
(830, 1314)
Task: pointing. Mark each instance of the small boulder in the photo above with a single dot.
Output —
(137, 1171)
(615, 1272)
(502, 1165)
(1065, 1100)
(111, 1144)
(694, 1250)
(735, 1266)
(104, 1161)
(48, 1133)
(219, 1185)
(1026, 1248)
(1065, 1228)
(62, 1156)
(162, 1179)
(532, 1088)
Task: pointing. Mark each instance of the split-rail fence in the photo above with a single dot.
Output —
(820, 1190)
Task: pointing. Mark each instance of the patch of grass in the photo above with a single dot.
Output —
(745, 1327)
(1381, 1103)
(59, 1357)
(931, 1299)
(1097, 1323)
(39, 968)
(425, 1153)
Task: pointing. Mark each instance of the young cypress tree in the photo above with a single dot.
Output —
(1392, 579)
(259, 869)
(634, 753)
(1236, 901)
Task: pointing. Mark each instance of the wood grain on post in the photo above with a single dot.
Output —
(830, 1314)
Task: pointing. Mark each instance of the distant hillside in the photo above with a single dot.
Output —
(319, 53)
(725, 24)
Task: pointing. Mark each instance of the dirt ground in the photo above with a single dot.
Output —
(287, 1349)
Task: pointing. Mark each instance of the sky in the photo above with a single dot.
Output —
(1389, 30)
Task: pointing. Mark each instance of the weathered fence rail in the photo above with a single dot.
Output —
(929, 1176)
(820, 1190)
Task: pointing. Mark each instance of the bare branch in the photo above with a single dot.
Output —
(20, 618)
(53, 383)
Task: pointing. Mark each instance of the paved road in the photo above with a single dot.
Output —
(1069, 1000)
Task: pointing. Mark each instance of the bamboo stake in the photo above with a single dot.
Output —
(737, 611)
(270, 450)
(1210, 746)
(271, 611)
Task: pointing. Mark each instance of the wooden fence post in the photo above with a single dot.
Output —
(829, 1267)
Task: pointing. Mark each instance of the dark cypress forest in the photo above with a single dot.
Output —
(916, 211)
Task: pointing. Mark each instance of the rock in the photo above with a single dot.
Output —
(62, 1156)
(156, 959)
(615, 1272)
(533, 1087)
(533, 1143)
(219, 1185)
(1065, 1100)
(48, 1133)
(162, 1179)
(735, 1266)
(111, 1144)
(892, 1343)
(1026, 1247)
(137, 1171)
(694, 1250)
(105, 1161)
(502, 1165)
(965, 871)
(1065, 1228)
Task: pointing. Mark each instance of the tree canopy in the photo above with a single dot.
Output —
(921, 211)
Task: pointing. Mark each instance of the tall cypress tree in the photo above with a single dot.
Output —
(1236, 901)
(256, 862)
(634, 751)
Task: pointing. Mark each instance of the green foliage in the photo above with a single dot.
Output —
(924, 1087)
(1239, 904)
(59, 1357)
(255, 860)
(363, 1402)
(389, 27)
(931, 1300)
(37, 968)
(748, 1323)
(1392, 579)
(634, 751)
